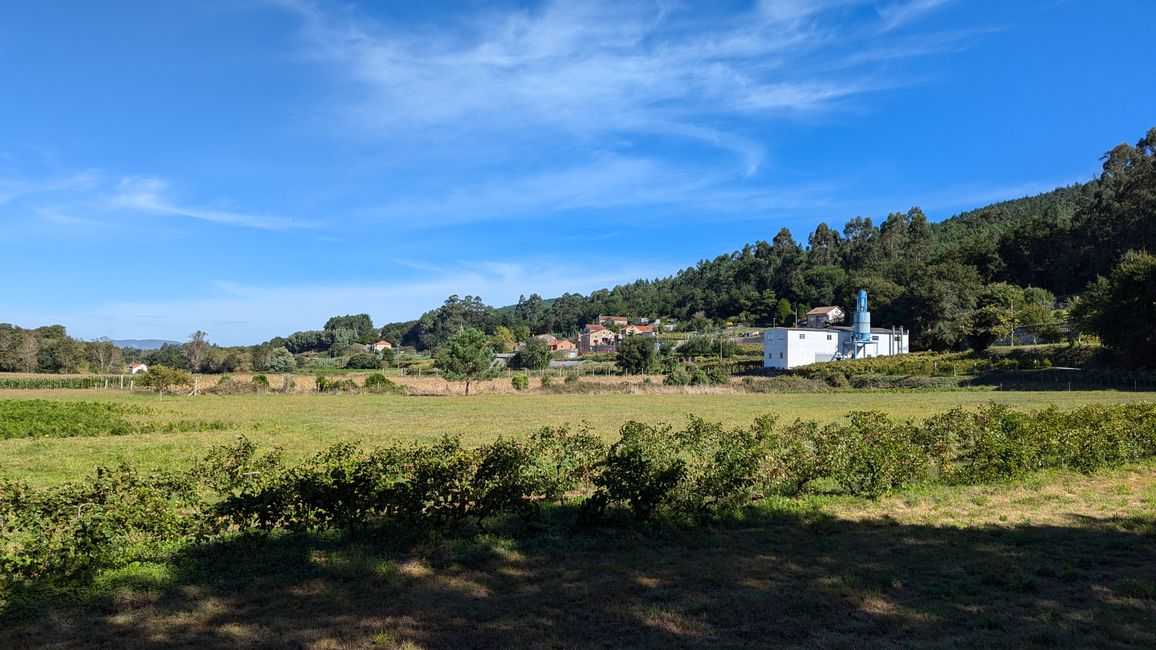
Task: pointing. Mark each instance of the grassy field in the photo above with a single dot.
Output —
(303, 424)
(1062, 560)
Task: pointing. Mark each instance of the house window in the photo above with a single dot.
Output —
(828, 337)
(874, 338)
(802, 336)
(780, 355)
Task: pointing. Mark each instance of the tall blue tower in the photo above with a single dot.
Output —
(861, 330)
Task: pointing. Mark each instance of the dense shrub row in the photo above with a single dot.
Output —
(51, 419)
(921, 364)
(698, 473)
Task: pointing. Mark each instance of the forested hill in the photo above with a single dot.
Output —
(929, 277)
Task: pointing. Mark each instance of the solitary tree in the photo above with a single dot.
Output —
(281, 360)
(636, 354)
(534, 355)
(196, 349)
(467, 355)
(163, 378)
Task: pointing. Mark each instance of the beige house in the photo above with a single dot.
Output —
(824, 316)
(596, 338)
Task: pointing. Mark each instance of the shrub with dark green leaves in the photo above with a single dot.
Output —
(563, 462)
(872, 455)
(695, 474)
(363, 361)
(327, 385)
(112, 517)
(380, 384)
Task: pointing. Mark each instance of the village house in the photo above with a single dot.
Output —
(596, 338)
(824, 317)
(137, 367)
(381, 346)
(556, 344)
(617, 321)
(640, 330)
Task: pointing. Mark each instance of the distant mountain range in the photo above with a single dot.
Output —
(142, 344)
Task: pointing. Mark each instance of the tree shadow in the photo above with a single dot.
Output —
(772, 580)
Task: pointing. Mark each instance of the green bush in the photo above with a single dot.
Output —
(695, 474)
(164, 379)
(363, 361)
(380, 384)
(327, 385)
(564, 462)
(692, 375)
(520, 381)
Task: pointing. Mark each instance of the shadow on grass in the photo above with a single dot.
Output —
(774, 580)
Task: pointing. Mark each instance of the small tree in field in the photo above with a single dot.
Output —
(636, 354)
(164, 379)
(534, 355)
(467, 355)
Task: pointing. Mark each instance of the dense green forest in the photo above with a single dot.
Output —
(968, 281)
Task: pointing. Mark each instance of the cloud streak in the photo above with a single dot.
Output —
(567, 72)
(150, 196)
(97, 200)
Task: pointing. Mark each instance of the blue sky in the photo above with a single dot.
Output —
(252, 167)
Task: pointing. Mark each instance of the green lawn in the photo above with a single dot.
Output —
(303, 424)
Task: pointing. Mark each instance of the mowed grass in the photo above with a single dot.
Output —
(303, 424)
(1060, 560)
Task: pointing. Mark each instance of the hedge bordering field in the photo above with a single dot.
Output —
(696, 474)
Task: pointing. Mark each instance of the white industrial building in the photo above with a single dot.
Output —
(789, 347)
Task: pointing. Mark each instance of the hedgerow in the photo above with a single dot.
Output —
(653, 474)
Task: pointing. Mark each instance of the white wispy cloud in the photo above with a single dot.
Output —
(899, 14)
(97, 199)
(12, 189)
(151, 196)
(567, 72)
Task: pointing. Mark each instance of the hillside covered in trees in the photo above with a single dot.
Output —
(956, 283)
